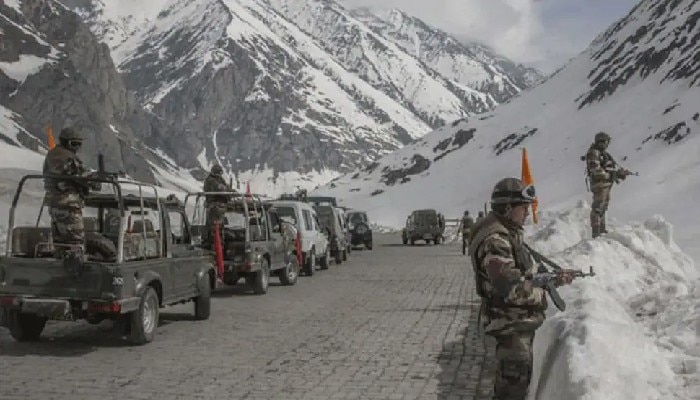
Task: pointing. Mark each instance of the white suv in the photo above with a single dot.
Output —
(314, 243)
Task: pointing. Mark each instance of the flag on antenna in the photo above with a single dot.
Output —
(247, 189)
(527, 180)
(51, 141)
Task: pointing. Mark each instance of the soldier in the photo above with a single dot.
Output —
(511, 309)
(480, 216)
(215, 203)
(66, 198)
(467, 223)
(602, 172)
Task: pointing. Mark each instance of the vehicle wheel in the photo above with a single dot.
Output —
(290, 273)
(404, 239)
(324, 262)
(202, 303)
(25, 327)
(368, 245)
(345, 255)
(310, 266)
(413, 242)
(427, 241)
(262, 279)
(349, 249)
(144, 321)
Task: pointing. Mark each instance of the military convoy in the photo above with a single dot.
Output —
(155, 265)
(163, 256)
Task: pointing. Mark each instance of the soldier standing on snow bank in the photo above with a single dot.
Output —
(66, 198)
(602, 172)
(215, 203)
(512, 308)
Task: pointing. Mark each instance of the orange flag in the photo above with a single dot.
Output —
(51, 140)
(527, 180)
(247, 189)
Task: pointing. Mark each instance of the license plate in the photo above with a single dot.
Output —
(51, 308)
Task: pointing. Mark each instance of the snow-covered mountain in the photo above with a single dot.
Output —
(468, 66)
(293, 91)
(639, 81)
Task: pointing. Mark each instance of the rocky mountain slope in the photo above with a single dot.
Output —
(54, 72)
(639, 81)
(292, 91)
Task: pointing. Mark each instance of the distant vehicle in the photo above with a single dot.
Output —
(254, 247)
(361, 233)
(315, 246)
(155, 266)
(426, 224)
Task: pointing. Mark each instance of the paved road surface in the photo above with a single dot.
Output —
(397, 322)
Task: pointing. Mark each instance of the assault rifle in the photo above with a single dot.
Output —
(546, 279)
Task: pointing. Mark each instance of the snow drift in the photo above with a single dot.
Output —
(630, 332)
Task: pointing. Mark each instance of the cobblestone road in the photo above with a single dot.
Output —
(398, 322)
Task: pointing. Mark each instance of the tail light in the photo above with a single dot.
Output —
(9, 301)
(113, 307)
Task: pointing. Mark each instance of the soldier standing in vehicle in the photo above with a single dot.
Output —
(512, 309)
(215, 203)
(66, 198)
(602, 171)
(480, 216)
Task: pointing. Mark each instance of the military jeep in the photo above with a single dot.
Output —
(426, 224)
(155, 265)
(255, 243)
(358, 223)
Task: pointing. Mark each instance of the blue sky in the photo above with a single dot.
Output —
(541, 33)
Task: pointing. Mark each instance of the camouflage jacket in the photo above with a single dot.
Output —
(599, 163)
(216, 184)
(500, 261)
(61, 161)
(467, 223)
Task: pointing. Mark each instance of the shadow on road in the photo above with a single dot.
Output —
(68, 341)
(466, 364)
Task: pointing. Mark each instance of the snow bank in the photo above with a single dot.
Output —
(632, 331)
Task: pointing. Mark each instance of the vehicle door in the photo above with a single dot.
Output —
(184, 258)
(321, 240)
(277, 240)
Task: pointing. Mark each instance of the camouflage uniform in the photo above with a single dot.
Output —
(602, 172)
(65, 198)
(215, 204)
(511, 309)
(467, 223)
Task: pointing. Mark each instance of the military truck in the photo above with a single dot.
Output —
(425, 224)
(361, 233)
(155, 265)
(256, 244)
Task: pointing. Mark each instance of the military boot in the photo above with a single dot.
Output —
(602, 225)
(596, 231)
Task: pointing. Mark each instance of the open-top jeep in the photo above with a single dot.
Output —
(427, 224)
(255, 243)
(155, 265)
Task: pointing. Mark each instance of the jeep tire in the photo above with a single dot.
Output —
(144, 321)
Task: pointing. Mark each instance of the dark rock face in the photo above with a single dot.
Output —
(78, 86)
(418, 165)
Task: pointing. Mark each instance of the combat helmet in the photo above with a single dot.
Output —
(217, 170)
(512, 191)
(70, 139)
(602, 137)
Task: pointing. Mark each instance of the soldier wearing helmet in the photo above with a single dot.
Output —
(467, 224)
(215, 203)
(511, 309)
(66, 198)
(480, 216)
(602, 171)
